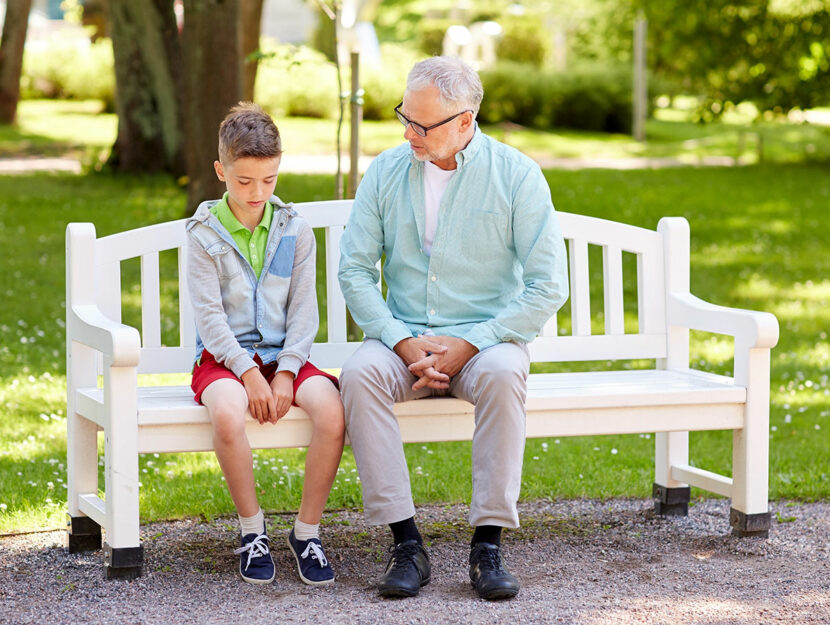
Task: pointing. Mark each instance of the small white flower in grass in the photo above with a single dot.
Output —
(47, 500)
(596, 448)
(45, 417)
(817, 426)
(556, 441)
(614, 452)
(580, 476)
(535, 457)
(774, 428)
(3, 506)
(788, 418)
(50, 485)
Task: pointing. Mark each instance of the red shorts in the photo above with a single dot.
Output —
(207, 371)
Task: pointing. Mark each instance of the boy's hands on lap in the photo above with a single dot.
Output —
(260, 398)
(283, 389)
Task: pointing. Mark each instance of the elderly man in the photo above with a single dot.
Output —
(474, 266)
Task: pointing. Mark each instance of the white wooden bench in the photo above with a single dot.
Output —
(670, 400)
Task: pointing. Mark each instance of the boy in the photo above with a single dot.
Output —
(251, 273)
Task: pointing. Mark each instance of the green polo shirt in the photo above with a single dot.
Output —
(251, 244)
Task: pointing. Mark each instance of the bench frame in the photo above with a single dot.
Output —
(670, 400)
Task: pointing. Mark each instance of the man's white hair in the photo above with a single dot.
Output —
(458, 84)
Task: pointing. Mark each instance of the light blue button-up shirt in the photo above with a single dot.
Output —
(497, 270)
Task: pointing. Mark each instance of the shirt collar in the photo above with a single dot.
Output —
(229, 220)
(462, 156)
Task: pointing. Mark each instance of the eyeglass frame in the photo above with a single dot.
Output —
(416, 126)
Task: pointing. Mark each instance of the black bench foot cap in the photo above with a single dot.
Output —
(749, 524)
(671, 501)
(123, 562)
(84, 534)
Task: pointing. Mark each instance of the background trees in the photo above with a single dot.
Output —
(11, 56)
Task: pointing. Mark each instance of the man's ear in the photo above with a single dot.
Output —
(220, 173)
(467, 121)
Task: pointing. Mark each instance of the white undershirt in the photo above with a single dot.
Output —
(435, 183)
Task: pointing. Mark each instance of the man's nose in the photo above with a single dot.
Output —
(409, 133)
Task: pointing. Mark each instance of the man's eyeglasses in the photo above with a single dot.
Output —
(422, 130)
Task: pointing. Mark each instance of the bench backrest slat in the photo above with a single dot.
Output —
(581, 233)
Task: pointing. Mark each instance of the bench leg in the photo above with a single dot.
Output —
(123, 562)
(81, 477)
(671, 498)
(750, 515)
(84, 534)
(123, 553)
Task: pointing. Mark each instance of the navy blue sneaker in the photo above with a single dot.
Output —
(255, 563)
(312, 563)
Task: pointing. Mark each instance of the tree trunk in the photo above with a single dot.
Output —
(250, 23)
(212, 84)
(148, 86)
(11, 57)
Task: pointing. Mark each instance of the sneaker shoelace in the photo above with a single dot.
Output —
(256, 548)
(490, 559)
(402, 556)
(316, 553)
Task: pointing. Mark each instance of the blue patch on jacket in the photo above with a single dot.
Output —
(283, 261)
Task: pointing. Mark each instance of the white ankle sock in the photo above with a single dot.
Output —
(305, 531)
(252, 524)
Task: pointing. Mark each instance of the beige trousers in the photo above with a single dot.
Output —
(494, 381)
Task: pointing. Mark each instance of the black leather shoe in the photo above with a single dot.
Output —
(490, 579)
(407, 571)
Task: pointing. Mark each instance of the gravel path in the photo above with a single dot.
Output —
(578, 561)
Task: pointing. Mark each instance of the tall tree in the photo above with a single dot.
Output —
(250, 25)
(11, 57)
(148, 99)
(212, 84)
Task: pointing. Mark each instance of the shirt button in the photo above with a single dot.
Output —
(432, 312)
(434, 278)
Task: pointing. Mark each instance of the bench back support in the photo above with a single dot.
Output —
(98, 270)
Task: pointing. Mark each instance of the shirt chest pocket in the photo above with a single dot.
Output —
(225, 259)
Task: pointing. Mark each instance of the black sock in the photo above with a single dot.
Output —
(487, 534)
(405, 530)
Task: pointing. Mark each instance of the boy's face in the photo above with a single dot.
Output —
(250, 182)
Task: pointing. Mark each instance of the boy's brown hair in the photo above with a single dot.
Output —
(248, 131)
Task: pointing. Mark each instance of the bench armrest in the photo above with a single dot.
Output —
(753, 329)
(118, 342)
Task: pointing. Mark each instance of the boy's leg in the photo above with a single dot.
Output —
(227, 403)
(319, 397)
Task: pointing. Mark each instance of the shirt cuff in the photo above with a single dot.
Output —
(289, 362)
(395, 332)
(241, 364)
(481, 337)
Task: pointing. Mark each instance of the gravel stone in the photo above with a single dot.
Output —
(579, 561)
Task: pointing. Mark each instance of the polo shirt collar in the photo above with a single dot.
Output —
(232, 224)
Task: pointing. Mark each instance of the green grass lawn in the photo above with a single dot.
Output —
(79, 129)
(759, 240)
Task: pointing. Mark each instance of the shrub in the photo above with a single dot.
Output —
(383, 85)
(583, 98)
(523, 41)
(296, 81)
(69, 68)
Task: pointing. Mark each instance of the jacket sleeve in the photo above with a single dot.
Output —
(302, 318)
(540, 249)
(210, 316)
(361, 247)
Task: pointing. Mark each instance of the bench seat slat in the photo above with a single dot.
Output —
(558, 404)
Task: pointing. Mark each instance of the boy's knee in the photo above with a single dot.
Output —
(228, 423)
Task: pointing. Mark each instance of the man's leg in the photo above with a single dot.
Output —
(372, 380)
(495, 381)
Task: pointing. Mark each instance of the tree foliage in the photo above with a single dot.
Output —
(772, 52)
